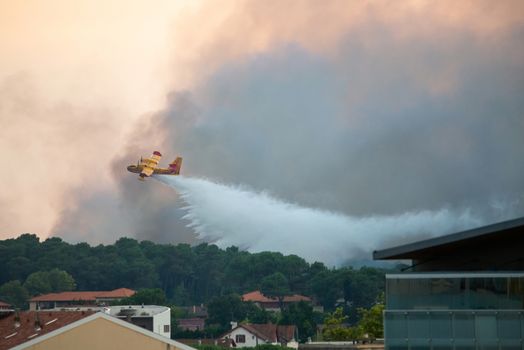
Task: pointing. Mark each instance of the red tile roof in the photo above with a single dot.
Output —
(191, 323)
(258, 297)
(286, 333)
(117, 293)
(4, 305)
(268, 331)
(49, 321)
(295, 298)
(66, 296)
(85, 296)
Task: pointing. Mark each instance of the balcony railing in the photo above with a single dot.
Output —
(454, 329)
(466, 291)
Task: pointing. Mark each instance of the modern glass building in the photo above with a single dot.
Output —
(456, 295)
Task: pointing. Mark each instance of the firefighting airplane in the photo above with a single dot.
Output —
(149, 166)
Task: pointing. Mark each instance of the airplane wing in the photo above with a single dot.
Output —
(147, 171)
(150, 164)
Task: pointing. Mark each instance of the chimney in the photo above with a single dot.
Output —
(233, 324)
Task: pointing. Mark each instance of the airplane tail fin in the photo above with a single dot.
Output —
(175, 166)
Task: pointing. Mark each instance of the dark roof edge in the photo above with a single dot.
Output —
(395, 252)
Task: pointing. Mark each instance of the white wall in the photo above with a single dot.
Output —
(251, 339)
(161, 319)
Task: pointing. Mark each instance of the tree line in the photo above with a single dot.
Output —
(187, 275)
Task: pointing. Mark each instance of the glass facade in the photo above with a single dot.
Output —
(455, 311)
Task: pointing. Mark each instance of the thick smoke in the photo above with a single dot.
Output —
(231, 215)
(365, 134)
(389, 120)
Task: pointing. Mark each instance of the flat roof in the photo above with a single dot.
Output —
(140, 310)
(439, 275)
(417, 249)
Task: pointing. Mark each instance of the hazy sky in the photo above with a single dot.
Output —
(362, 108)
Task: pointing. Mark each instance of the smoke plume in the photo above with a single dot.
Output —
(390, 109)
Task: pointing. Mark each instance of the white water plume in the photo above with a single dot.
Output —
(231, 215)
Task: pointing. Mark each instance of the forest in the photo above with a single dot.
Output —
(187, 275)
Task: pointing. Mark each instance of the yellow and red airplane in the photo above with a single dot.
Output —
(149, 166)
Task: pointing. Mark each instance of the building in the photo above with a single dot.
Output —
(104, 298)
(191, 324)
(195, 311)
(91, 332)
(461, 291)
(154, 318)
(77, 299)
(16, 329)
(272, 304)
(250, 334)
(5, 309)
(4, 306)
(195, 319)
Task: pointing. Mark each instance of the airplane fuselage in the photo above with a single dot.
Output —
(149, 166)
(161, 171)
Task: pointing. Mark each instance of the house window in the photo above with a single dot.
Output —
(240, 338)
(166, 328)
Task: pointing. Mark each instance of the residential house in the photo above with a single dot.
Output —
(73, 300)
(80, 331)
(195, 311)
(4, 306)
(251, 334)
(272, 304)
(112, 295)
(191, 324)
